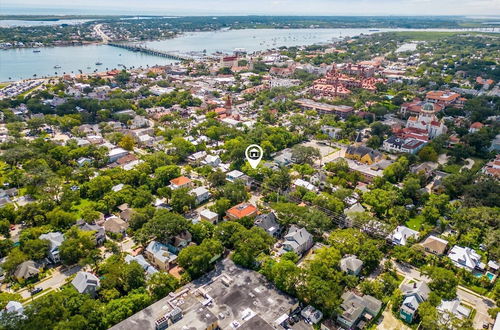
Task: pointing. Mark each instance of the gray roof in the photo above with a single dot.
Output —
(419, 289)
(55, 239)
(350, 263)
(354, 306)
(84, 280)
(267, 222)
(298, 235)
(141, 261)
(26, 269)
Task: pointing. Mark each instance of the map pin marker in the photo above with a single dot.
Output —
(254, 154)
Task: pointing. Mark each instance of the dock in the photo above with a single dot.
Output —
(149, 51)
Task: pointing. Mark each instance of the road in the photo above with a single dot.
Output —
(55, 281)
(100, 33)
(480, 303)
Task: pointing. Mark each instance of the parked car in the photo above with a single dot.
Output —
(35, 291)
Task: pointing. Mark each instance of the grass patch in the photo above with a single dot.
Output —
(3, 85)
(415, 223)
(78, 208)
(452, 169)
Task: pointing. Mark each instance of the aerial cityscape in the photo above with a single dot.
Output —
(256, 165)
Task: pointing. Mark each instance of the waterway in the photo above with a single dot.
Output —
(15, 22)
(16, 64)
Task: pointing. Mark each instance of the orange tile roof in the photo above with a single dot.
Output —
(242, 210)
(180, 181)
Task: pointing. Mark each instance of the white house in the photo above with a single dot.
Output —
(465, 258)
(201, 194)
(55, 239)
(401, 234)
(116, 153)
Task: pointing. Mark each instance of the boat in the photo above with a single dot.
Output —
(36, 50)
(374, 30)
(57, 66)
(98, 63)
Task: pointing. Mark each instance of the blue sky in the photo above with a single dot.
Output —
(248, 7)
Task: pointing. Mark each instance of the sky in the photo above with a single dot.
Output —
(251, 7)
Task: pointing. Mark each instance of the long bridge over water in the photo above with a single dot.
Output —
(149, 51)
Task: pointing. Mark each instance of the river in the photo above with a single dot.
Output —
(16, 64)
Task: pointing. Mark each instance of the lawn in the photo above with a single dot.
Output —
(2, 85)
(415, 223)
(452, 169)
(78, 208)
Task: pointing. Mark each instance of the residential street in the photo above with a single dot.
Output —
(55, 281)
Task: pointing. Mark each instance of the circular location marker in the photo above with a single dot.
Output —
(254, 154)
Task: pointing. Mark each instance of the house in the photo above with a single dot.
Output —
(181, 182)
(212, 160)
(452, 308)
(297, 240)
(401, 234)
(116, 153)
(241, 210)
(82, 161)
(475, 127)
(99, 232)
(180, 241)
(150, 270)
(363, 154)
(26, 270)
(207, 215)
(356, 310)
(311, 314)
(115, 225)
(235, 175)
(466, 258)
(284, 158)
(304, 184)
(85, 282)
(414, 294)
(350, 211)
(396, 144)
(351, 265)
(55, 239)
(269, 223)
(13, 307)
(435, 245)
(159, 255)
(197, 157)
(201, 194)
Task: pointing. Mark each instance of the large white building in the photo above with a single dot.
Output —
(426, 120)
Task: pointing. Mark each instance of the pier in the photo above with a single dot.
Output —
(149, 51)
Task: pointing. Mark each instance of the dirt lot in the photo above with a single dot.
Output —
(389, 322)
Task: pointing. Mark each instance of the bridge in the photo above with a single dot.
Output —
(149, 51)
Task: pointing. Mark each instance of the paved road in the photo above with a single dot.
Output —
(100, 33)
(480, 303)
(55, 281)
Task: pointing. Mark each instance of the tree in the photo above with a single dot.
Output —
(164, 225)
(202, 230)
(78, 247)
(443, 281)
(428, 154)
(235, 192)
(161, 284)
(61, 219)
(305, 155)
(197, 259)
(127, 142)
(36, 249)
(220, 206)
(397, 170)
(182, 201)
(217, 178)
(380, 200)
(166, 173)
